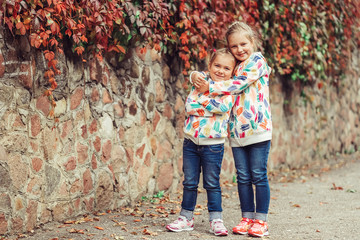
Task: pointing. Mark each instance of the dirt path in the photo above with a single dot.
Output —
(322, 207)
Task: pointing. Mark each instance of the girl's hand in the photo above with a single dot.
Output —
(198, 80)
(203, 88)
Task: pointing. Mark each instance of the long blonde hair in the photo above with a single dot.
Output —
(242, 27)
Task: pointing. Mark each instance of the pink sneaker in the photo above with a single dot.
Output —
(217, 227)
(181, 224)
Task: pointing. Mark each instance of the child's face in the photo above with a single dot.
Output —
(222, 68)
(240, 46)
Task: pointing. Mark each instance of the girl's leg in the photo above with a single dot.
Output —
(211, 159)
(245, 189)
(191, 169)
(258, 154)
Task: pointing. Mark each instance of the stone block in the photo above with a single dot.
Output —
(35, 125)
(19, 205)
(34, 186)
(2, 65)
(31, 215)
(93, 162)
(76, 98)
(160, 92)
(140, 151)
(3, 224)
(106, 97)
(76, 187)
(43, 104)
(19, 171)
(104, 191)
(5, 203)
(17, 225)
(60, 108)
(82, 153)
(70, 164)
(93, 126)
(145, 75)
(165, 176)
(95, 95)
(106, 151)
(52, 177)
(87, 182)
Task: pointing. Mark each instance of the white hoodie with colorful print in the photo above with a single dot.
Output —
(207, 117)
(250, 120)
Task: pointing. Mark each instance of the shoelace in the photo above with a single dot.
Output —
(258, 226)
(244, 222)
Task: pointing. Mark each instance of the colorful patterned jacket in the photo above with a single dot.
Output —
(250, 120)
(207, 117)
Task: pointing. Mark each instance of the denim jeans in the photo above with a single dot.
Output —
(209, 159)
(251, 169)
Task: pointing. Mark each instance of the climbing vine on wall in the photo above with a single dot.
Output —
(303, 39)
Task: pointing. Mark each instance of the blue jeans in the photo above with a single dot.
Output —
(209, 159)
(251, 169)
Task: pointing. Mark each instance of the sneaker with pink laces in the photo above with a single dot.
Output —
(244, 226)
(181, 224)
(217, 227)
(259, 229)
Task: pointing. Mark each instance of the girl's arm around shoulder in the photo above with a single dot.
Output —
(196, 109)
(219, 104)
(192, 107)
(252, 69)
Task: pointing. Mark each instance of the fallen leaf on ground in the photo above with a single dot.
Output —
(119, 223)
(351, 190)
(296, 205)
(137, 220)
(70, 222)
(148, 232)
(336, 188)
(100, 228)
(73, 230)
(100, 214)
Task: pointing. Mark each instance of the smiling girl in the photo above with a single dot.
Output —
(206, 127)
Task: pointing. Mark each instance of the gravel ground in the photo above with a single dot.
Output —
(322, 206)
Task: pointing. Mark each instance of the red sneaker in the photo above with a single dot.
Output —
(243, 227)
(259, 229)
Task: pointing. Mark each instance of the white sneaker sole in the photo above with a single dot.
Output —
(219, 234)
(259, 235)
(179, 230)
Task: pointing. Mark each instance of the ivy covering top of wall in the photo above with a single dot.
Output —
(303, 39)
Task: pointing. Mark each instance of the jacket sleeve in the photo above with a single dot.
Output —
(192, 107)
(218, 105)
(196, 109)
(255, 68)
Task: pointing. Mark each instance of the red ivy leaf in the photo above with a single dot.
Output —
(49, 55)
(21, 27)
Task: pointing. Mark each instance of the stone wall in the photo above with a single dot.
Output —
(314, 125)
(119, 135)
